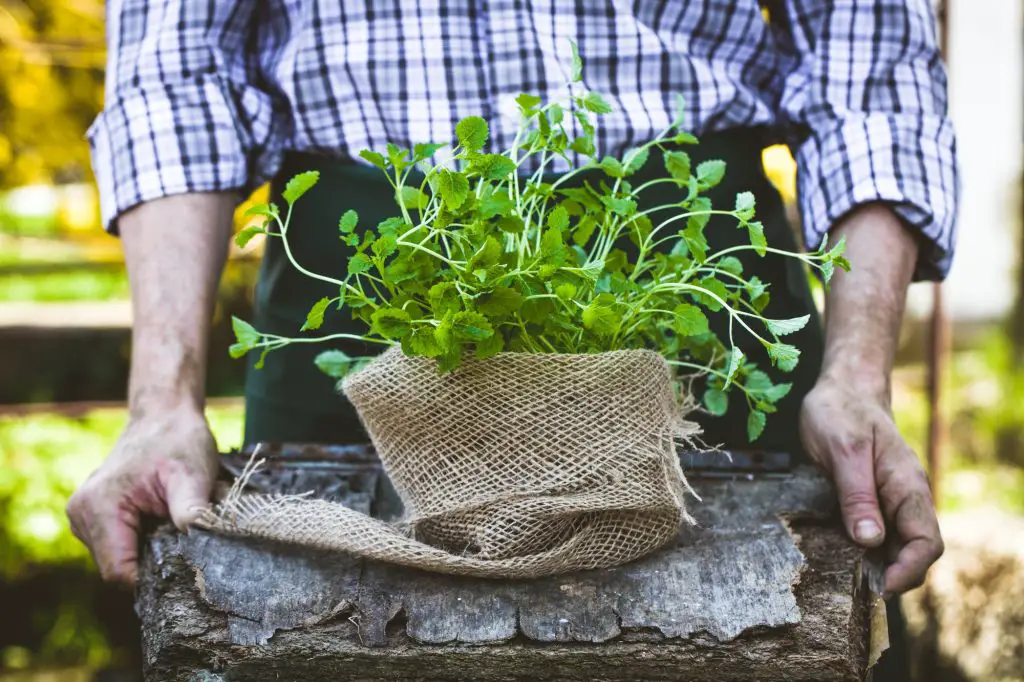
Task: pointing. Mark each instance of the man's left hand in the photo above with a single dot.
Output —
(878, 478)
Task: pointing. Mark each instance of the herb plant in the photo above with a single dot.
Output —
(483, 258)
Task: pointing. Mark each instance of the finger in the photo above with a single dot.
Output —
(854, 475)
(112, 538)
(919, 541)
(187, 492)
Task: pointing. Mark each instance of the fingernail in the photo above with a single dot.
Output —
(866, 530)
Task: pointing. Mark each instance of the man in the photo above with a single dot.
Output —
(207, 100)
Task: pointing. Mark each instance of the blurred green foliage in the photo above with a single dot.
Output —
(74, 285)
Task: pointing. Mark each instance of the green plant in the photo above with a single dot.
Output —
(484, 259)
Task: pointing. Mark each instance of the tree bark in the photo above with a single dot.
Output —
(766, 587)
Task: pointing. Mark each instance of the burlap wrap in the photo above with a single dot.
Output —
(522, 465)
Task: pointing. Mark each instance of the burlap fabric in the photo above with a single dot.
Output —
(521, 465)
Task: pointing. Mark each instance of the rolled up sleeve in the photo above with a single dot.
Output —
(181, 113)
(865, 104)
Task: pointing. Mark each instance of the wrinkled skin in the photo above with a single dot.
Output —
(163, 467)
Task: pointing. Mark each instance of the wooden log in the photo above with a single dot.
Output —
(766, 587)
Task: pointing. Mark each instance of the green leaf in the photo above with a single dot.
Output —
(827, 271)
(237, 350)
(783, 327)
(640, 229)
(755, 287)
(757, 240)
(584, 230)
(678, 165)
(315, 317)
(501, 302)
(757, 381)
(268, 210)
(693, 235)
(635, 159)
(759, 384)
(299, 185)
(592, 271)
(617, 260)
(558, 218)
(487, 255)
(596, 103)
(391, 323)
(263, 359)
(745, 205)
(348, 222)
(444, 299)
(552, 252)
(385, 246)
(583, 145)
(374, 158)
(472, 133)
(755, 425)
(710, 173)
(246, 234)
(512, 224)
(494, 166)
(601, 317)
(449, 360)
(245, 333)
(471, 326)
(622, 206)
(680, 111)
(397, 156)
(689, 320)
(334, 363)
(358, 264)
(716, 401)
(412, 199)
(565, 291)
(425, 150)
(392, 226)
(489, 347)
(527, 102)
(735, 362)
(497, 203)
(422, 342)
(584, 120)
(453, 188)
(577, 63)
(731, 264)
(612, 167)
(838, 249)
(784, 356)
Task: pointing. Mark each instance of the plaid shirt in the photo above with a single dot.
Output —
(205, 96)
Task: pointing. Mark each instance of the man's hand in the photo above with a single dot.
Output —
(163, 465)
(877, 476)
(846, 421)
(165, 461)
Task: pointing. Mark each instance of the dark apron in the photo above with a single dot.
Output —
(289, 400)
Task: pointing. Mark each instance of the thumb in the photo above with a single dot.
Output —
(854, 476)
(187, 492)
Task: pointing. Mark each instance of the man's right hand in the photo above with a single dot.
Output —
(163, 465)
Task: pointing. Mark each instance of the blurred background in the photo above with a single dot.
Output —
(65, 331)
